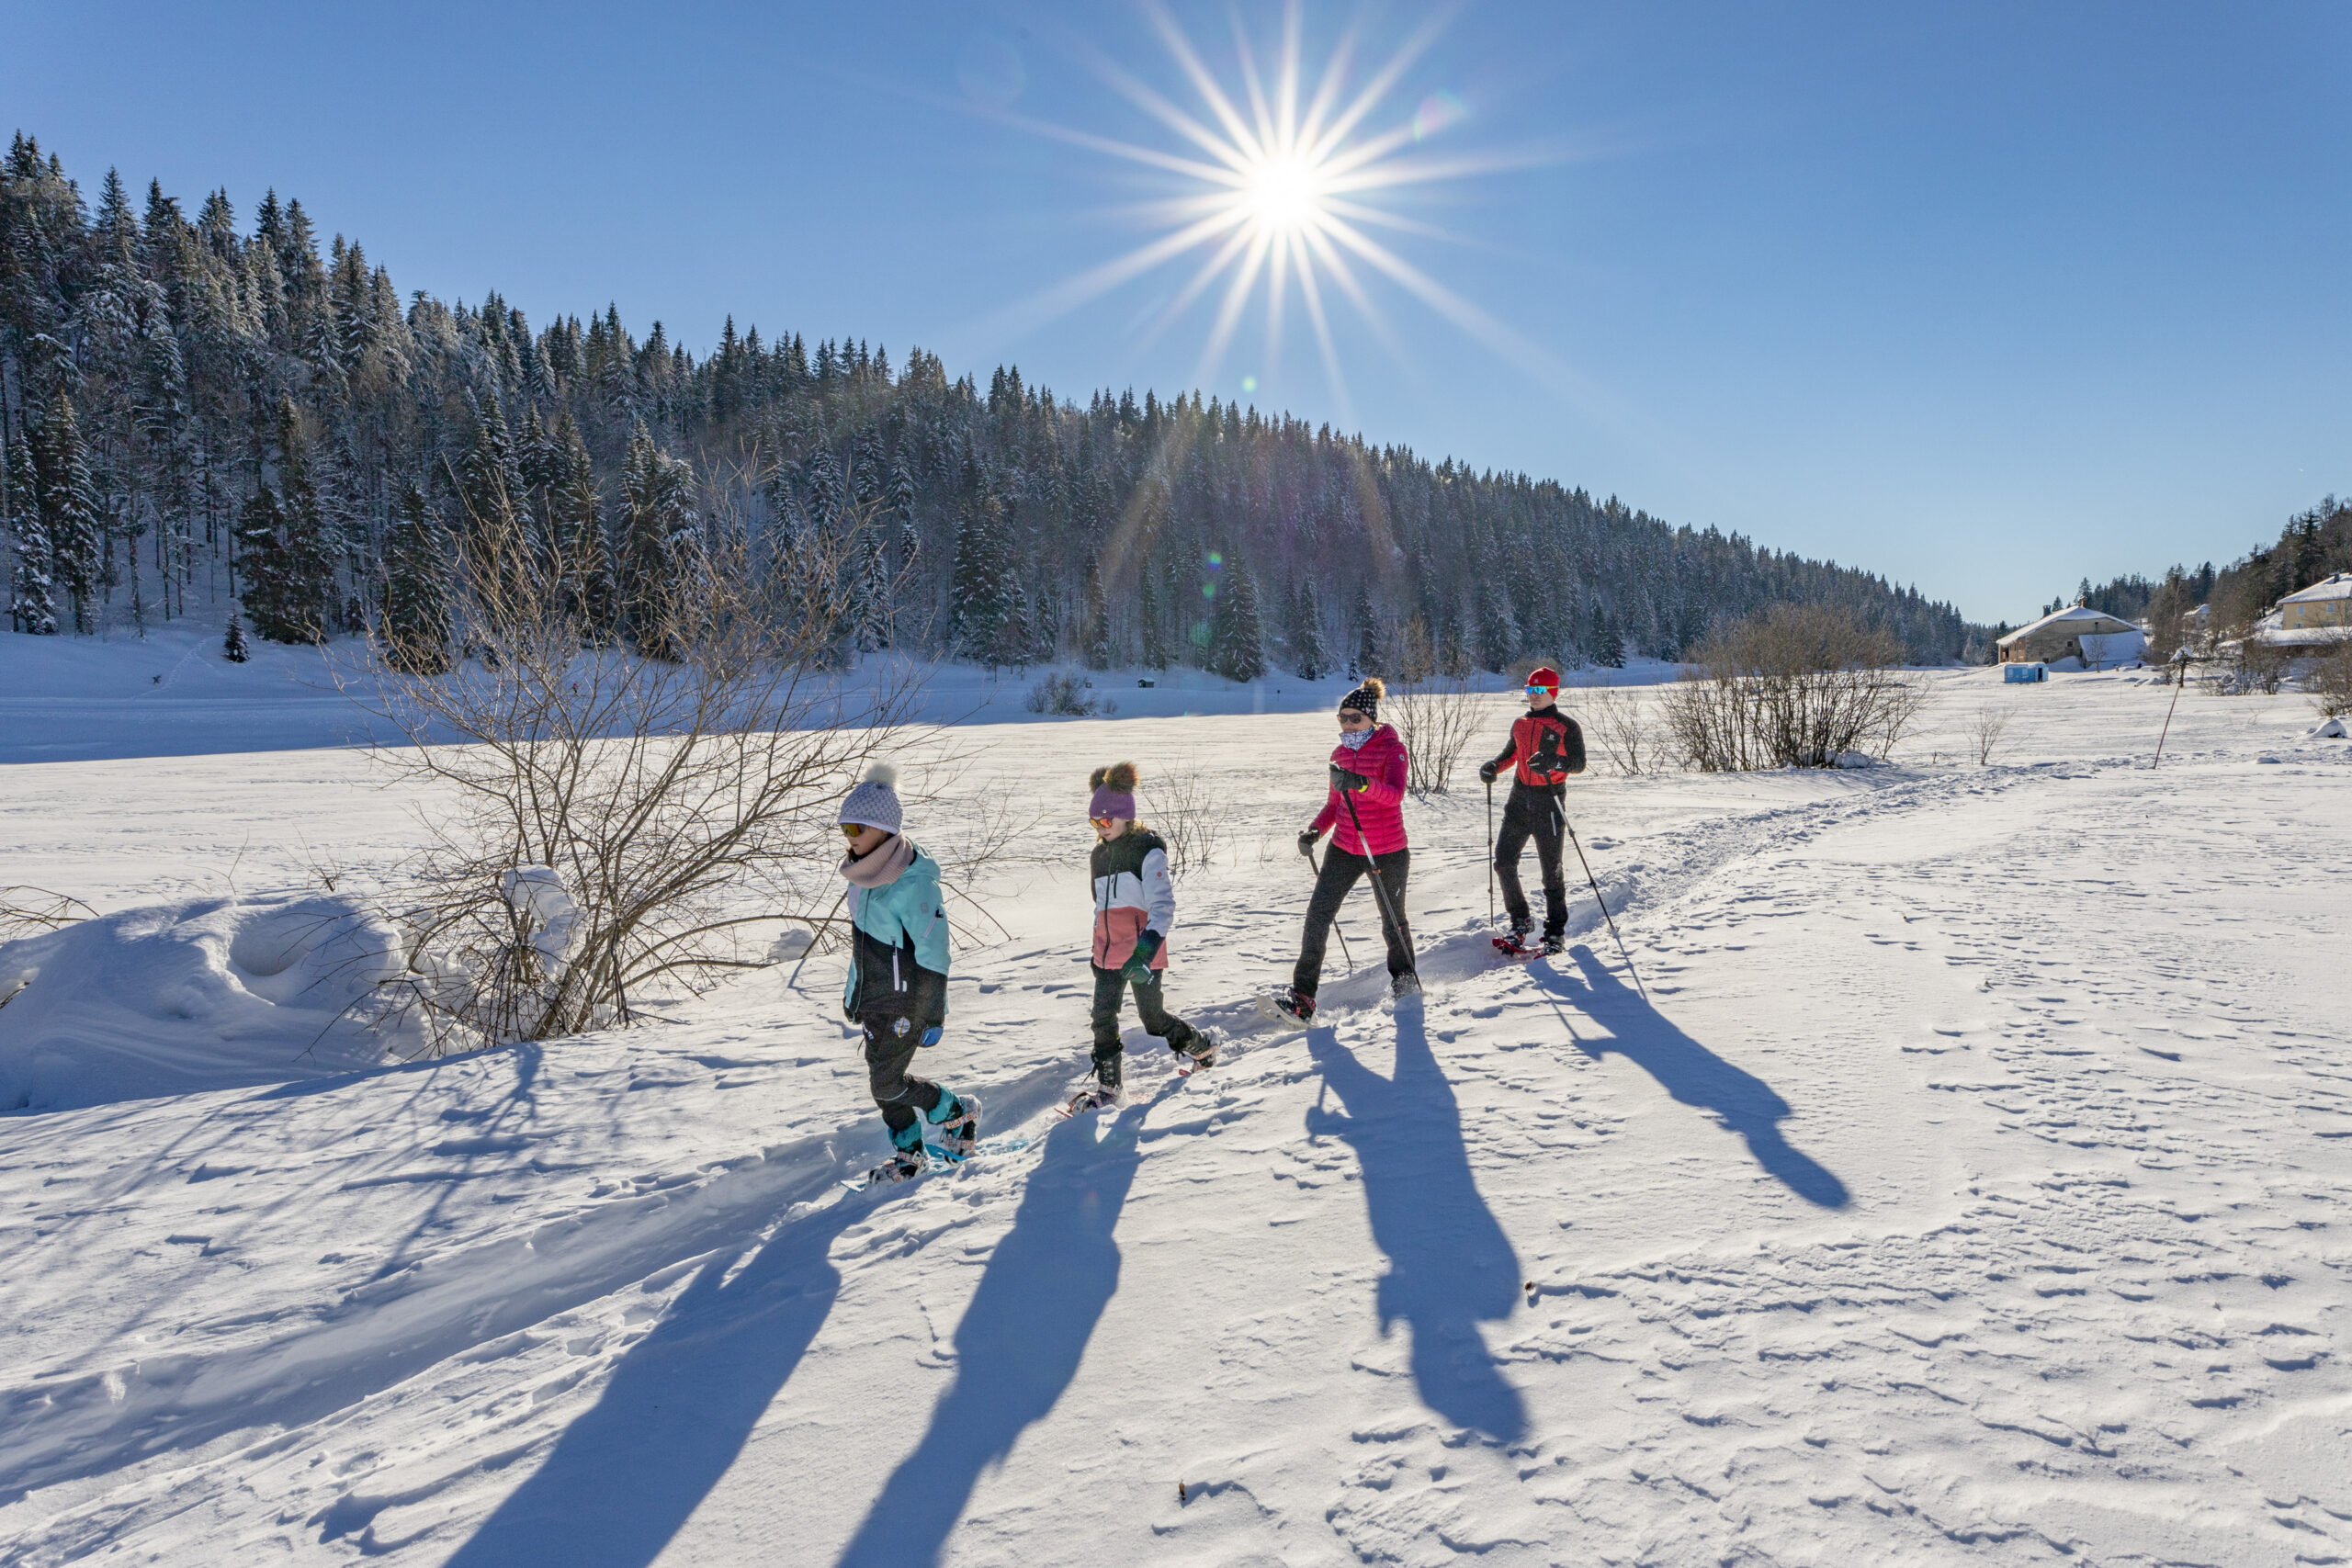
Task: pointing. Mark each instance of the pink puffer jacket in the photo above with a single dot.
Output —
(1381, 804)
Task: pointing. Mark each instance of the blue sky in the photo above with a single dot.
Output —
(1987, 298)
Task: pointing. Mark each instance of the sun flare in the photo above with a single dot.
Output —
(1280, 179)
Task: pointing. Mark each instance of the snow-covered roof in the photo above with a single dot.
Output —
(2335, 585)
(2073, 622)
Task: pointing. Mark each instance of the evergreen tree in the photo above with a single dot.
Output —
(658, 546)
(1608, 642)
(416, 589)
(1307, 633)
(261, 560)
(1370, 647)
(32, 599)
(576, 514)
(1237, 637)
(69, 511)
(1102, 652)
(305, 586)
(1155, 630)
(978, 607)
(233, 647)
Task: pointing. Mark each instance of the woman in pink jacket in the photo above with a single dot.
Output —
(1365, 813)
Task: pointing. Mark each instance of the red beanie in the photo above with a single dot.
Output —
(1544, 675)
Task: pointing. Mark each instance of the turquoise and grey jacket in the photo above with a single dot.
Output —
(898, 954)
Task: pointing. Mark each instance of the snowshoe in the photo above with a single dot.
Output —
(1096, 1096)
(954, 1130)
(1406, 985)
(1288, 1008)
(1516, 945)
(898, 1167)
(1553, 945)
(1202, 1054)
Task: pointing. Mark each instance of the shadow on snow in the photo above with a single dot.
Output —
(1450, 1266)
(1019, 1342)
(1741, 1102)
(624, 1476)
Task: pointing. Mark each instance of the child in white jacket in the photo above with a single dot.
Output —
(1135, 908)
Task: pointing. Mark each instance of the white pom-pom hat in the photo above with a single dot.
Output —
(875, 801)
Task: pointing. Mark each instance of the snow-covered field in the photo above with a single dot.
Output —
(1963, 1182)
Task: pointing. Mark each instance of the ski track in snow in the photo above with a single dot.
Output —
(1968, 1188)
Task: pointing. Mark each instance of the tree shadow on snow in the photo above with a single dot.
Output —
(1741, 1102)
(1019, 1342)
(1450, 1266)
(624, 1476)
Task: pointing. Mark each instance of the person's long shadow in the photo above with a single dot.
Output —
(1018, 1345)
(627, 1475)
(1741, 1102)
(1450, 1266)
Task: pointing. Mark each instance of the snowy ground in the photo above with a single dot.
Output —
(1968, 1186)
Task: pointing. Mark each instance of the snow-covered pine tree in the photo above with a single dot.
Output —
(233, 647)
(416, 588)
(261, 562)
(576, 513)
(1608, 642)
(1102, 648)
(977, 603)
(32, 596)
(1147, 613)
(1307, 655)
(1238, 635)
(69, 507)
(1371, 650)
(306, 583)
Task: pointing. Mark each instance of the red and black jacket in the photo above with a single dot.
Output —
(1547, 746)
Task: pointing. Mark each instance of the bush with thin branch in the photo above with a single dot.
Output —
(618, 826)
(1986, 730)
(1800, 685)
(2331, 681)
(1434, 708)
(1619, 729)
(1183, 807)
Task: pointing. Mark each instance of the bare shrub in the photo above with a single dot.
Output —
(2331, 681)
(1183, 808)
(1615, 722)
(1985, 730)
(1066, 695)
(2258, 667)
(28, 911)
(1435, 709)
(617, 821)
(1799, 685)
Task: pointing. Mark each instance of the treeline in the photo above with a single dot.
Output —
(2311, 546)
(196, 417)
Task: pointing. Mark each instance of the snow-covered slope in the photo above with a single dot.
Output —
(1962, 1179)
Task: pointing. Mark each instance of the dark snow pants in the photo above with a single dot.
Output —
(891, 1041)
(1149, 1008)
(1537, 814)
(1340, 870)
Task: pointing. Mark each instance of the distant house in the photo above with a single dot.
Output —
(2092, 638)
(2317, 614)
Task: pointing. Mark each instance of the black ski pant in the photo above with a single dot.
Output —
(1340, 870)
(1537, 814)
(891, 1041)
(1149, 1008)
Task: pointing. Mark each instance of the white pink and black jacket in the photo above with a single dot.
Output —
(1131, 895)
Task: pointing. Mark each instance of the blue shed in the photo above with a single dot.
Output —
(2013, 673)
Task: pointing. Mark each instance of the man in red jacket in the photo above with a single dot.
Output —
(1545, 746)
(1367, 772)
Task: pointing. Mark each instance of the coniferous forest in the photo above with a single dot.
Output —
(210, 416)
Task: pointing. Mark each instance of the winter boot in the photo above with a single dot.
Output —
(1406, 985)
(1556, 944)
(1200, 1052)
(1105, 1089)
(1294, 1005)
(955, 1126)
(909, 1161)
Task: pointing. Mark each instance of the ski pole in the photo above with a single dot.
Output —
(1395, 919)
(1491, 854)
(1337, 928)
(2179, 679)
(1603, 903)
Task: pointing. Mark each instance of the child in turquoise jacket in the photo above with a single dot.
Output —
(897, 991)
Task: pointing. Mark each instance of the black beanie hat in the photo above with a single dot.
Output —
(1365, 699)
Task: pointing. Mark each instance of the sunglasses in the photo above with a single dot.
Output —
(1102, 821)
(852, 829)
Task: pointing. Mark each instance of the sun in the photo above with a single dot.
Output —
(1284, 195)
(1279, 181)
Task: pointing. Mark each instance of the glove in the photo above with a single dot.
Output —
(1487, 771)
(1138, 963)
(1306, 843)
(930, 1036)
(1347, 782)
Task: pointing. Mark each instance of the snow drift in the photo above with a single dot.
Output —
(209, 993)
